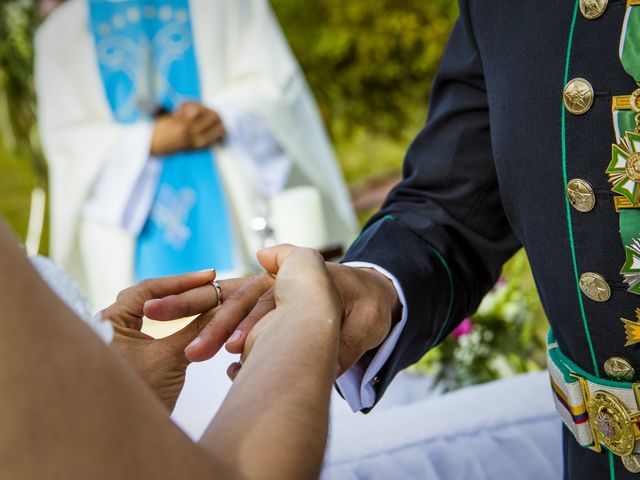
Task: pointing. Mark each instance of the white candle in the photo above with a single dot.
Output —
(297, 217)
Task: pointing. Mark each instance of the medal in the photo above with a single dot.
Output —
(623, 170)
(632, 329)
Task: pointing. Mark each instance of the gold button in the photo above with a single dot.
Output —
(580, 195)
(578, 96)
(632, 463)
(595, 287)
(619, 369)
(592, 9)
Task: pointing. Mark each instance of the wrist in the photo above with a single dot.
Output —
(169, 137)
(388, 290)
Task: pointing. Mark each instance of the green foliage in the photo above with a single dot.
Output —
(18, 133)
(21, 162)
(370, 63)
(507, 337)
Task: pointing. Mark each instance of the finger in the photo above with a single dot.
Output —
(266, 303)
(205, 121)
(208, 137)
(233, 370)
(189, 110)
(183, 337)
(175, 284)
(191, 302)
(233, 310)
(272, 258)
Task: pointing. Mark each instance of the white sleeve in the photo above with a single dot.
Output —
(251, 142)
(123, 191)
(357, 383)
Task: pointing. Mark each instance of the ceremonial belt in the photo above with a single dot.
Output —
(600, 413)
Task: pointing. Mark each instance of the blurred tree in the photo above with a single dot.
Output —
(21, 161)
(370, 63)
(18, 133)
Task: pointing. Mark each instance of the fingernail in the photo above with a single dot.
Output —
(194, 342)
(212, 270)
(235, 336)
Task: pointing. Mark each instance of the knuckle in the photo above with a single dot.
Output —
(351, 345)
(145, 284)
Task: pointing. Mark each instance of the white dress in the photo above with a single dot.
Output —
(69, 292)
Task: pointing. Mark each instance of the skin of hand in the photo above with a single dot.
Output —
(278, 408)
(303, 287)
(192, 127)
(160, 362)
(369, 300)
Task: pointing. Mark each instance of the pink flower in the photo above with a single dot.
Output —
(500, 284)
(463, 329)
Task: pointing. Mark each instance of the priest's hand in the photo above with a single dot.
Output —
(369, 301)
(192, 127)
(160, 362)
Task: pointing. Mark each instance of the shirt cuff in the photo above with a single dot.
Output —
(358, 383)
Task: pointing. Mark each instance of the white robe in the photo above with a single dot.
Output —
(245, 65)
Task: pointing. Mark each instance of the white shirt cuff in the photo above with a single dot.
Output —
(357, 383)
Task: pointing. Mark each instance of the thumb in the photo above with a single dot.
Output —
(272, 258)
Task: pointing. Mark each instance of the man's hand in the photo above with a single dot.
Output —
(192, 127)
(369, 301)
(160, 362)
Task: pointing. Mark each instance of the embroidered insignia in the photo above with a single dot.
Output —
(624, 168)
(632, 329)
(631, 268)
(170, 213)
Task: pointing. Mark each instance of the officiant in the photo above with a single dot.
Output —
(176, 133)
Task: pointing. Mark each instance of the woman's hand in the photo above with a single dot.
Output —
(192, 127)
(160, 362)
(306, 299)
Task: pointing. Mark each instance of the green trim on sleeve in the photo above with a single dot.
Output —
(451, 296)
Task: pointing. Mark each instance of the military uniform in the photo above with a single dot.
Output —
(514, 153)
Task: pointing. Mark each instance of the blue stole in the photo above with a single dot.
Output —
(147, 62)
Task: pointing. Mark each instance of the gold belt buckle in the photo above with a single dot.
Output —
(613, 426)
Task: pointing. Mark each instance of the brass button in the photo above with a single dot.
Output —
(632, 463)
(619, 369)
(595, 287)
(592, 9)
(578, 96)
(580, 195)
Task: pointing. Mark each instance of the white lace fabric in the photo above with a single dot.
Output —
(67, 290)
